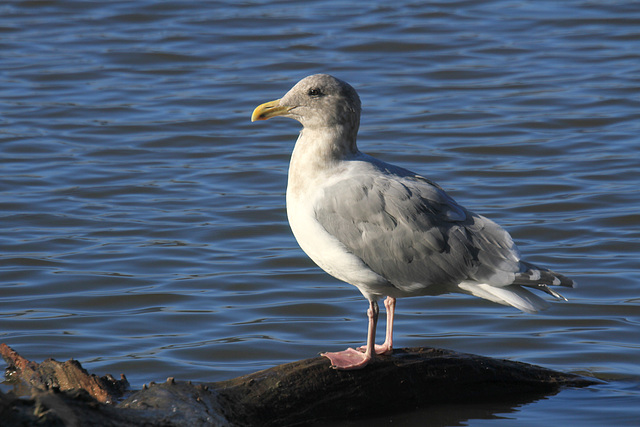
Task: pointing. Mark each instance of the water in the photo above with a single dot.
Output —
(143, 220)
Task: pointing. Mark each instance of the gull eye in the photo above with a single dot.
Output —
(315, 92)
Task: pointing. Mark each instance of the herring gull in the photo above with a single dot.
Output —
(389, 231)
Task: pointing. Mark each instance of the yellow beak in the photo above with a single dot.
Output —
(268, 110)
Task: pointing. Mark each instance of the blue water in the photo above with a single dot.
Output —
(143, 222)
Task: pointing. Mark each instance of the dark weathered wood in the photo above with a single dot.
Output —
(73, 408)
(409, 379)
(69, 375)
(291, 394)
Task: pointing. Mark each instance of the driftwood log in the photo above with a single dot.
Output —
(297, 393)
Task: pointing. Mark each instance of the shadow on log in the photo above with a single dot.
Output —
(295, 393)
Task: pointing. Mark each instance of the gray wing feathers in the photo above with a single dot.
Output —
(410, 231)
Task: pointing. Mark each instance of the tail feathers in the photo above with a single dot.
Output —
(512, 295)
(530, 276)
(544, 288)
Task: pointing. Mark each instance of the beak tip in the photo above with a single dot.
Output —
(268, 110)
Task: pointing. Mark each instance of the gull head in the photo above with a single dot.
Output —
(317, 101)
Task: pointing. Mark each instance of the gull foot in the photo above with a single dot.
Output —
(347, 359)
(379, 349)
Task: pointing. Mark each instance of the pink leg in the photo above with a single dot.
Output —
(387, 347)
(354, 359)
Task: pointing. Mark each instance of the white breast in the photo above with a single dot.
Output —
(326, 251)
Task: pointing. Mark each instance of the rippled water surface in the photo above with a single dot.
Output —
(143, 220)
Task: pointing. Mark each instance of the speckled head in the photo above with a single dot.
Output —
(319, 100)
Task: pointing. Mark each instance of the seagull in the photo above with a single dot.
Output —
(389, 231)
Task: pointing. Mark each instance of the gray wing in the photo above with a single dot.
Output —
(408, 230)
